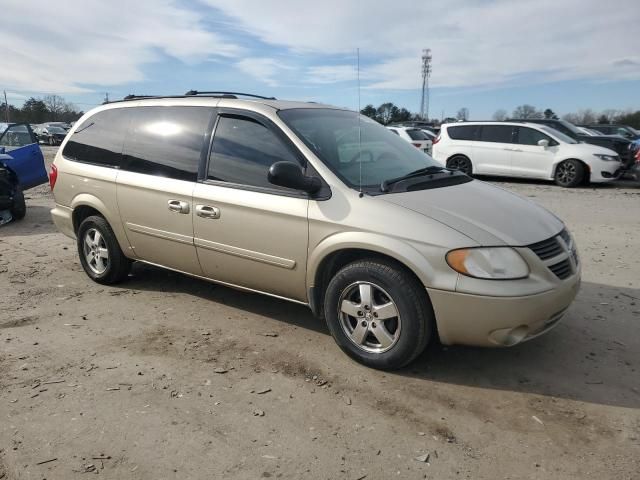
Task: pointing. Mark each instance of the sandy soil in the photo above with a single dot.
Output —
(168, 377)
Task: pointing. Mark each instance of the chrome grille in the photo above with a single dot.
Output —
(561, 269)
(547, 248)
(553, 247)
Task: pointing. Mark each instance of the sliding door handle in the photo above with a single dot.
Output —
(207, 211)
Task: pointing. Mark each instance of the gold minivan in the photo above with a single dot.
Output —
(317, 205)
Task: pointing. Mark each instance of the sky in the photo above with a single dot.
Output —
(565, 55)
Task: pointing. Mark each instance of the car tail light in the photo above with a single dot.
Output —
(638, 156)
(436, 140)
(53, 176)
(418, 145)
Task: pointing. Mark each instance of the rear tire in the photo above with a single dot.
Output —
(100, 253)
(570, 173)
(378, 313)
(461, 163)
(19, 208)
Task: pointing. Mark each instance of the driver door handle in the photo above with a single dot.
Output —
(178, 206)
(207, 211)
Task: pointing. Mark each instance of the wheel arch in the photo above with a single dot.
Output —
(339, 250)
(84, 205)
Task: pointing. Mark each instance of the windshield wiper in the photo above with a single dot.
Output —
(384, 186)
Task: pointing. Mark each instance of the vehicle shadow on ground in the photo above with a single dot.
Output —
(591, 356)
(36, 222)
(149, 278)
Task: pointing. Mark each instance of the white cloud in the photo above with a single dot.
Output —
(61, 46)
(263, 69)
(474, 43)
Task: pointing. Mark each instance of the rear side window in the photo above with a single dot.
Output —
(99, 139)
(463, 132)
(496, 133)
(243, 150)
(166, 141)
(417, 134)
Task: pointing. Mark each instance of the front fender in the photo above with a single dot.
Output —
(397, 249)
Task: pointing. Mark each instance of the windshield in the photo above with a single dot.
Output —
(377, 153)
(54, 129)
(571, 127)
(558, 135)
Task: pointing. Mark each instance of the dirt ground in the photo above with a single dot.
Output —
(167, 377)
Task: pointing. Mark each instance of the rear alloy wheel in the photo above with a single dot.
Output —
(378, 313)
(461, 163)
(100, 253)
(570, 173)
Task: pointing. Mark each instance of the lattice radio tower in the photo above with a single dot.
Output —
(426, 73)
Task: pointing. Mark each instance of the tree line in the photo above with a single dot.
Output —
(581, 117)
(50, 108)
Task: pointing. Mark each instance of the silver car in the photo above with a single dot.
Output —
(317, 205)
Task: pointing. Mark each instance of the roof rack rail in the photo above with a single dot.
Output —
(227, 94)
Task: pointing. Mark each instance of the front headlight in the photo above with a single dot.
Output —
(607, 158)
(493, 263)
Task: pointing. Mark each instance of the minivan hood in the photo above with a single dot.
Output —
(588, 148)
(487, 214)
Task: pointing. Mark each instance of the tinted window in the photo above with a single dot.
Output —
(99, 139)
(463, 132)
(496, 133)
(529, 136)
(166, 141)
(243, 150)
(417, 135)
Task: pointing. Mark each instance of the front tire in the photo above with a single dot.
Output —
(570, 173)
(378, 313)
(19, 208)
(461, 163)
(100, 253)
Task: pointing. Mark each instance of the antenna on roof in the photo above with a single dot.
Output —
(359, 126)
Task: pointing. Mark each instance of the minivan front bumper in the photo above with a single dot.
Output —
(485, 321)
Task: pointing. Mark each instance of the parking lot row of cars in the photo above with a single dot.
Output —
(545, 149)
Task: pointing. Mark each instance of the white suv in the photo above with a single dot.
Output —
(415, 136)
(518, 149)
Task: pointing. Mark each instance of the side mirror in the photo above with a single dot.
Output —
(543, 143)
(290, 175)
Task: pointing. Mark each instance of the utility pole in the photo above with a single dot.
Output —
(426, 73)
(6, 106)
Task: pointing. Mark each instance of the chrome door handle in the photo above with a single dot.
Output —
(508, 149)
(178, 206)
(207, 211)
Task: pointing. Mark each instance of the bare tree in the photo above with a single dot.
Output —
(571, 118)
(56, 105)
(500, 115)
(527, 111)
(463, 114)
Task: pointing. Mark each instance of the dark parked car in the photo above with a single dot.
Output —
(617, 144)
(621, 130)
(50, 134)
(21, 167)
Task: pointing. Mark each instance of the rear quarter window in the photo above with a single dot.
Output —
(99, 139)
(463, 132)
(417, 134)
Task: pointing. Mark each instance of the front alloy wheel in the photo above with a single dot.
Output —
(378, 313)
(369, 317)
